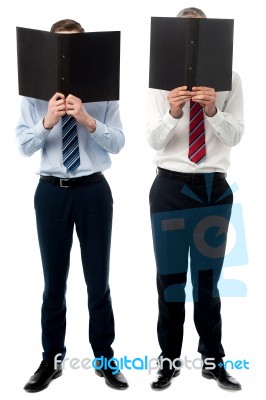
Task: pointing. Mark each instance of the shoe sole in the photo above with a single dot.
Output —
(56, 375)
(209, 375)
(101, 375)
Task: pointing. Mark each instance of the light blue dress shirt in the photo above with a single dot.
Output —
(94, 147)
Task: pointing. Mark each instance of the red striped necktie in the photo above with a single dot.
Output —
(197, 147)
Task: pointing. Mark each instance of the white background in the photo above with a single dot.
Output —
(132, 276)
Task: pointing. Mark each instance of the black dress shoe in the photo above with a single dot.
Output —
(43, 376)
(224, 380)
(115, 381)
(163, 378)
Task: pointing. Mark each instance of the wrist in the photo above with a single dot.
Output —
(211, 112)
(90, 124)
(46, 124)
(177, 114)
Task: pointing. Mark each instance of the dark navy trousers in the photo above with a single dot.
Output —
(190, 219)
(89, 208)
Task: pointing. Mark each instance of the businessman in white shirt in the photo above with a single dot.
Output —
(192, 157)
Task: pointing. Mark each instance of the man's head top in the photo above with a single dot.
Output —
(191, 12)
(66, 25)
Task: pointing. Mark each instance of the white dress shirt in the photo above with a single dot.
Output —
(170, 136)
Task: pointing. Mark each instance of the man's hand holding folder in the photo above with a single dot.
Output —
(203, 95)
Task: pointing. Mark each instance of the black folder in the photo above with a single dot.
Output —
(191, 52)
(86, 65)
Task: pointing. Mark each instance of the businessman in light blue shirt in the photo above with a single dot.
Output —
(64, 199)
(99, 133)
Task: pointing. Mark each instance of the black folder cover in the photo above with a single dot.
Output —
(86, 65)
(192, 52)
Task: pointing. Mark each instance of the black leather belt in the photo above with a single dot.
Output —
(187, 177)
(73, 182)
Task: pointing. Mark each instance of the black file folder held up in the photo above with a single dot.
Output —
(86, 65)
(191, 52)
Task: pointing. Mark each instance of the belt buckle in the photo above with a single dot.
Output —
(62, 185)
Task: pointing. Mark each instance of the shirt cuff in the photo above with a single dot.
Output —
(216, 120)
(99, 132)
(40, 132)
(170, 121)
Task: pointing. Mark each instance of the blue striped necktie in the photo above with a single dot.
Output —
(71, 159)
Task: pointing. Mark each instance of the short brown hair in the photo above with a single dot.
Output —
(66, 25)
(191, 12)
